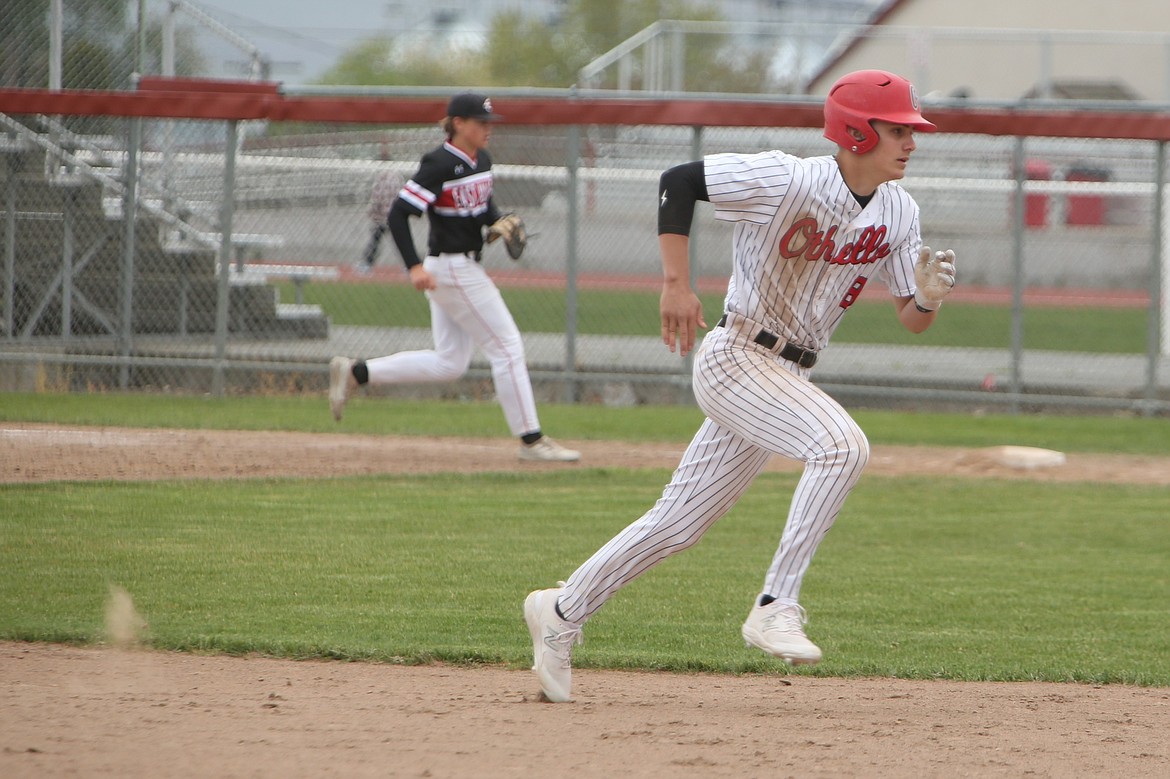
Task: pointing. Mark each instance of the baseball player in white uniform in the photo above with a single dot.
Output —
(809, 234)
(453, 187)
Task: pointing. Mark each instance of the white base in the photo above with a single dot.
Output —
(1027, 457)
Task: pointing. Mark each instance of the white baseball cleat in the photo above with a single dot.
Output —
(552, 644)
(547, 450)
(778, 629)
(341, 384)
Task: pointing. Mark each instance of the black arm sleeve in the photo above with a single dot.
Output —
(678, 189)
(493, 213)
(399, 222)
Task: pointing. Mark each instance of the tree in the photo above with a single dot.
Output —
(365, 64)
(522, 52)
(526, 51)
(385, 62)
(24, 47)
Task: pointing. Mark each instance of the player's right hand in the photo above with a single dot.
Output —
(421, 278)
(682, 313)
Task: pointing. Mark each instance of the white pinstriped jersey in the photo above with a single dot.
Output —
(803, 247)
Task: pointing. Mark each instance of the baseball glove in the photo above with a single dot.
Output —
(510, 227)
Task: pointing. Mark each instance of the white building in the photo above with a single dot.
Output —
(1008, 49)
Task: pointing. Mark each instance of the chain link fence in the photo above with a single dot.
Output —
(225, 256)
(1057, 239)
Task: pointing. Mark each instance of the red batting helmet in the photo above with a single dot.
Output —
(864, 95)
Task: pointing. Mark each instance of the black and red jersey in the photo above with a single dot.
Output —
(455, 191)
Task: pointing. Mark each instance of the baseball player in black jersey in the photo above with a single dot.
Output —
(809, 234)
(453, 187)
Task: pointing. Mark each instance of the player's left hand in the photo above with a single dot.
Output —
(682, 313)
(934, 274)
(511, 228)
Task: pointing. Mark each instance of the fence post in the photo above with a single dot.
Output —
(573, 162)
(68, 246)
(56, 35)
(223, 298)
(678, 61)
(168, 128)
(130, 209)
(1163, 239)
(1017, 337)
(129, 237)
(10, 247)
(1156, 344)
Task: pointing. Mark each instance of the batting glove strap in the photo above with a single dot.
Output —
(918, 306)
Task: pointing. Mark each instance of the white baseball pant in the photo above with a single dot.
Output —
(467, 310)
(757, 405)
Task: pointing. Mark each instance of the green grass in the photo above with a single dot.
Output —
(998, 580)
(384, 416)
(605, 312)
(994, 579)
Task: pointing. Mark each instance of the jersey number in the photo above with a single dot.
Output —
(854, 291)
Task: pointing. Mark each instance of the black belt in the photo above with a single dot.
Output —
(805, 358)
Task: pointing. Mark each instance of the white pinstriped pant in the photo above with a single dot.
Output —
(467, 311)
(757, 405)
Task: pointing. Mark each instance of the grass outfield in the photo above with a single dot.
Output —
(1097, 329)
(997, 581)
(950, 578)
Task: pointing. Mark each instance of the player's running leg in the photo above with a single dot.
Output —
(770, 403)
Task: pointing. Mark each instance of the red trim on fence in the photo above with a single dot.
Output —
(363, 110)
(1123, 124)
(155, 105)
(225, 100)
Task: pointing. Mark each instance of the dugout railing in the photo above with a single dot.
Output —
(129, 222)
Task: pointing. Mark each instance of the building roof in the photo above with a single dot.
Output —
(878, 17)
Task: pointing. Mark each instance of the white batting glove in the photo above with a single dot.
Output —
(934, 273)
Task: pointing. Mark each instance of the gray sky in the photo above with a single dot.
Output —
(302, 40)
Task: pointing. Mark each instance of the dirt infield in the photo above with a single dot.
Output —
(105, 712)
(39, 453)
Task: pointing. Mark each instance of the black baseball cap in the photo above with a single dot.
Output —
(472, 105)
